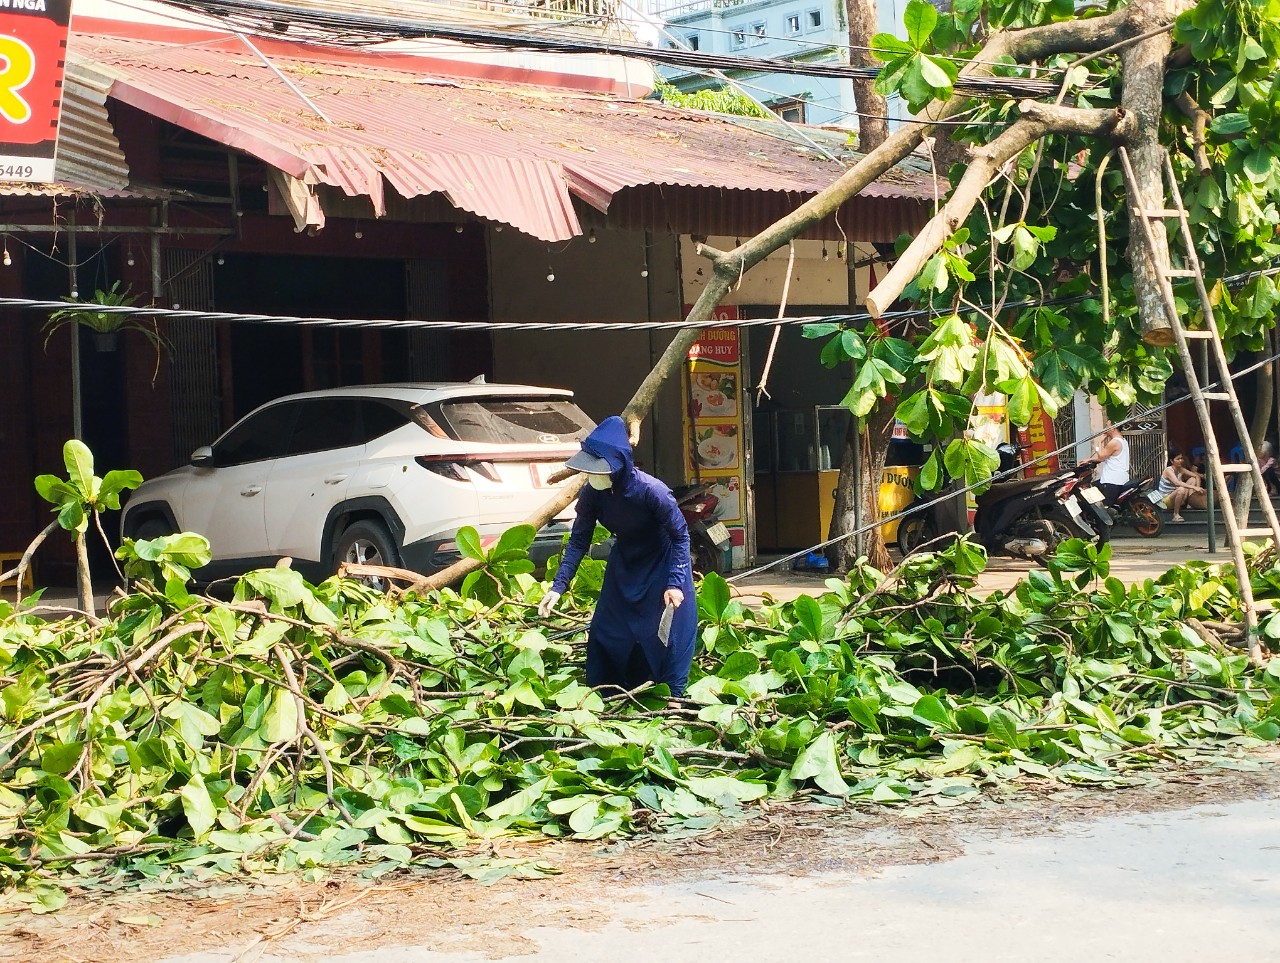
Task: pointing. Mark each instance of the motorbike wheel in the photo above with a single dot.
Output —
(706, 558)
(1144, 519)
(914, 531)
(1060, 522)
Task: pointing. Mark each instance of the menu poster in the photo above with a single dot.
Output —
(714, 451)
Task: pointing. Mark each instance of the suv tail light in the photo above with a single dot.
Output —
(455, 468)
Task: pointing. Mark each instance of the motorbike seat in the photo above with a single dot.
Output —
(1015, 486)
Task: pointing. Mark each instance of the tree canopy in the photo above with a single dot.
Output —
(1029, 267)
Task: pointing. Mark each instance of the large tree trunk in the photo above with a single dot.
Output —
(873, 130)
(1143, 63)
(865, 465)
(873, 122)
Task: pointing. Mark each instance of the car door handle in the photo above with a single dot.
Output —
(250, 491)
(335, 479)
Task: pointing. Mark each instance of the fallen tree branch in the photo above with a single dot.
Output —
(1037, 121)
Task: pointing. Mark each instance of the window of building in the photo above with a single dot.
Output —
(758, 34)
(738, 39)
(692, 41)
(791, 110)
(793, 25)
(814, 19)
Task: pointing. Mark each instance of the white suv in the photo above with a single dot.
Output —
(384, 474)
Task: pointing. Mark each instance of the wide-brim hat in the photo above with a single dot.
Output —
(589, 464)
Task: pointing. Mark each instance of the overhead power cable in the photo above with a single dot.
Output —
(888, 319)
(282, 21)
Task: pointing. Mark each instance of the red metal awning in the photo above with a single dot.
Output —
(514, 154)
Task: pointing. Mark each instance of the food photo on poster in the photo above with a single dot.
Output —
(728, 501)
(715, 446)
(714, 394)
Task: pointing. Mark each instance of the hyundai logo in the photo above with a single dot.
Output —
(549, 439)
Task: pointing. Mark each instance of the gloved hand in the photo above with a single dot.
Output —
(548, 603)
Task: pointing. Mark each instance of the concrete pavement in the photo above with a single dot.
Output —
(1132, 560)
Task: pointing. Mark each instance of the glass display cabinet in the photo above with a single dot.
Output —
(797, 456)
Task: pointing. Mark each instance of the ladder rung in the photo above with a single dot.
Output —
(1255, 532)
(1197, 333)
(1215, 396)
(1180, 273)
(1159, 213)
(1236, 469)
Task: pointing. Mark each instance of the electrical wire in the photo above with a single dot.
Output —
(889, 318)
(263, 16)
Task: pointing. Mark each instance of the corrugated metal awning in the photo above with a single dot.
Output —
(514, 154)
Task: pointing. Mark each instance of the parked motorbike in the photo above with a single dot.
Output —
(709, 540)
(1021, 517)
(1131, 507)
(1028, 517)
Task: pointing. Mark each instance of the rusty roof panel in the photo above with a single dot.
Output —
(507, 152)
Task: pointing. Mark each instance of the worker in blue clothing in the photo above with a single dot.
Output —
(647, 575)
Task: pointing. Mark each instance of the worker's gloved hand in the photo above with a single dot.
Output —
(673, 597)
(548, 603)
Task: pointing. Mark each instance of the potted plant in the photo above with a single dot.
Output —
(105, 325)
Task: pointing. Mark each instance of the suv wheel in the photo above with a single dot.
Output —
(367, 543)
(152, 528)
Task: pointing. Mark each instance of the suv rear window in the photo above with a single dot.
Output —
(515, 421)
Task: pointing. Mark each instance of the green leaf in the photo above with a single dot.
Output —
(468, 542)
(817, 761)
(79, 462)
(713, 597)
(197, 806)
(919, 20)
(1228, 124)
(932, 713)
(280, 723)
(514, 542)
(809, 616)
(820, 329)
(935, 75)
(61, 757)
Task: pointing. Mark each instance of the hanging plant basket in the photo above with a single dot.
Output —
(105, 326)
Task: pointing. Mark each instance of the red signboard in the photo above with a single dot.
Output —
(716, 344)
(33, 56)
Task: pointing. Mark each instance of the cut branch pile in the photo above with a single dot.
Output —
(298, 726)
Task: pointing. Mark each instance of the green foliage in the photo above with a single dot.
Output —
(1033, 237)
(105, 322)
(167, 557)
(82, 493)
(297, 727)
(719, 100)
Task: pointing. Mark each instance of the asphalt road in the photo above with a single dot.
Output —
(1196, 885)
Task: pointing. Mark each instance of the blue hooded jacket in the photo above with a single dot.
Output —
(650, 555)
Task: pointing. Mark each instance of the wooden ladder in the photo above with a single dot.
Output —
(1223, 392)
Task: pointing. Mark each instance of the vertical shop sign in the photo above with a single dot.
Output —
(713, 423)
(33, 57)
(1039, 440)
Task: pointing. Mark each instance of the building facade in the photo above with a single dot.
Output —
(801, 31)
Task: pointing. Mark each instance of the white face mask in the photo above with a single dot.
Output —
(601, 482)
